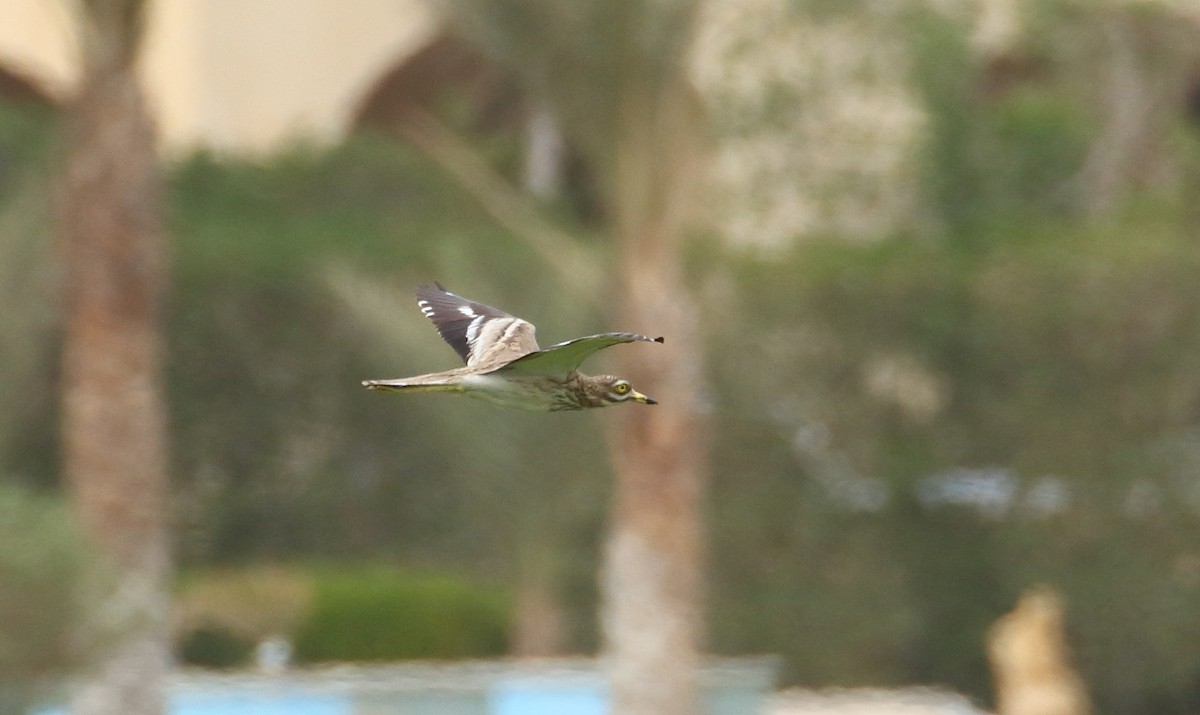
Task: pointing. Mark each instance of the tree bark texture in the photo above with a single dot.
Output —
(114, 421)
(652, 583)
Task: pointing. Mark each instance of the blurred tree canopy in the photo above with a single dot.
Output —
(909, 427)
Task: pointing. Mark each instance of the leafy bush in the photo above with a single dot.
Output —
(251, 603)
(386, 614)
(221, 613)
(344, 613)
(1062, 357)
(214, 647)
(41, 558)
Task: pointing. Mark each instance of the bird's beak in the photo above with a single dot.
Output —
(639, 397)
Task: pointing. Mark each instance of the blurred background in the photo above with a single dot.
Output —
(939, 273)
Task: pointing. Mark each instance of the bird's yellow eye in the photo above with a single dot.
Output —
(621, 388)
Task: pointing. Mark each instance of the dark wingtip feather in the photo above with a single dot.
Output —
(425, 287)
(659, 339)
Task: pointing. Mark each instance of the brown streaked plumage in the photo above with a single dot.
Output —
(504, 364)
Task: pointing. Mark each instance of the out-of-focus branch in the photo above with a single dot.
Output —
(577, 268)
(1128, 112)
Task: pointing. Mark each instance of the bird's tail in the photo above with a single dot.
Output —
(406, 385)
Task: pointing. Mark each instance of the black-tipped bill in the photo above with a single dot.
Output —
(639, 397)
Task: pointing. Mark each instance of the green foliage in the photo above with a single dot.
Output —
(219, 614)
(846, 382)
(1045, 125)
(386, 614)
(1061, 358)
(629, 54)
(27, 285)
(28, 136)
(279, 451)
(370, 202)
(1009, 154)
(343, 613)
(41, 562)
(214, 648)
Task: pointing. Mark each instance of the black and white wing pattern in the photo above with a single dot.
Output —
(480, 334)
(564, 358)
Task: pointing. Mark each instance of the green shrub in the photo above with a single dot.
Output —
(213, 647)
(387, 614)
(249, 603)
(41, 560)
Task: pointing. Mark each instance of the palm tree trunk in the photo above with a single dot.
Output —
(652, 581)
(652, 584)
(113, 421)
(633, 59)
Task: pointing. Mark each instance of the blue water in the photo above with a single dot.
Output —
(234, 704)
(522, 698)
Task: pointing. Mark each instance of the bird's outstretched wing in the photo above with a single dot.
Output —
(480, 334)
(561, 359)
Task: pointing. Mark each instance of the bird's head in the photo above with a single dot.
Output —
(610, 390)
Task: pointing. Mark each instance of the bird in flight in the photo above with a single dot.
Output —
(504, 364)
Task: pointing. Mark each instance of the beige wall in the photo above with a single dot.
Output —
(246, 76)
(36, 39)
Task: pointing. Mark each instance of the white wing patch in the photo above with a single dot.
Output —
(473, 328)
(495, 339)
(479, 333)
